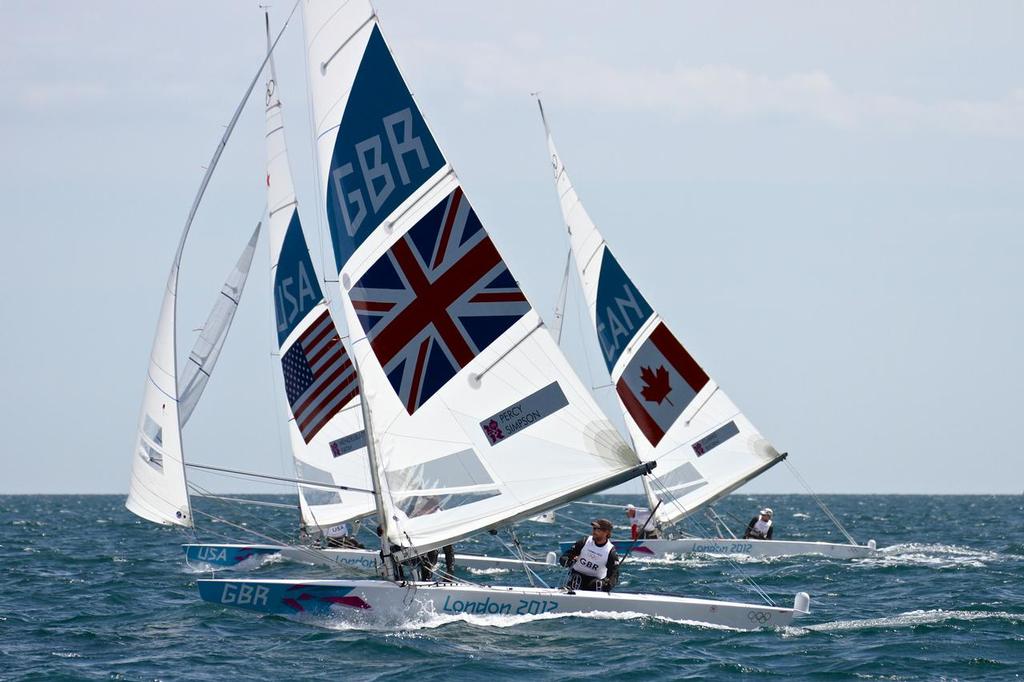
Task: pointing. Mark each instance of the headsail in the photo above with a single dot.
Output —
(211, 339)
(677, 415)
(321, 392)
(157, 490)
(477, 418)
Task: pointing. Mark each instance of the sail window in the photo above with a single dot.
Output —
(150, 443)
(683, 479)
(460, 469)
(317, 496)
(421, 505)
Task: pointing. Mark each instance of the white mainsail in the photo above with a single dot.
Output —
(676, 414)
(477, 420)
(321, 392)
(206, 350)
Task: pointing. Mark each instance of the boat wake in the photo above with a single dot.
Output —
(909, 619)
(249, 564)
(931, 555)
(430, 620)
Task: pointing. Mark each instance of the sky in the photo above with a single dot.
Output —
(823, 200)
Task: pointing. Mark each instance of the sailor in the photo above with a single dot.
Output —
(594, 562)
(639, 520)
(760, 527)
(339, 536)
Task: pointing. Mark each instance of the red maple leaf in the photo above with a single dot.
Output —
(656, 387)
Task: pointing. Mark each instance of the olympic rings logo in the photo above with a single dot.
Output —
(759, 617)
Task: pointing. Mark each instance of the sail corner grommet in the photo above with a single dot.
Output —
(474, 380)
(346, 281)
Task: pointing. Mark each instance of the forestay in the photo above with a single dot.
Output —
(677, 415)
(477, 419)
(321, 392)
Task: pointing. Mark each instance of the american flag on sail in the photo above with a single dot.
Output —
(318, 376)
(435, 300)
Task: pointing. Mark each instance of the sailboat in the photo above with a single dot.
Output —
(473, 417)
(676, 414)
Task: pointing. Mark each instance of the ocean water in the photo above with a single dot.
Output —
(88, 591)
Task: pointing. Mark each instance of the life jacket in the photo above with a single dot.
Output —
(593, 559)
(760, 529)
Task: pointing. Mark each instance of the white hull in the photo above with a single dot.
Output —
(660, 549)
(368, 561)
(378, 602)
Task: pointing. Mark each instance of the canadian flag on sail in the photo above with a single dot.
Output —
(658, 383)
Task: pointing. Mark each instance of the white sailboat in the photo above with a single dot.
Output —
(677, 415)
(474, 419)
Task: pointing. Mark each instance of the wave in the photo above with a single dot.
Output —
(909, 619)
(932, 555)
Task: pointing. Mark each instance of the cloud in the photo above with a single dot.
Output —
(716, 90)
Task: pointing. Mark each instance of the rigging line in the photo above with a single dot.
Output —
(821, 503)
(242, 500)
(308, 484)
(746, 577)
(314, 556)
(246, 514)
(701, 529)
(520, 554)
(298, 548)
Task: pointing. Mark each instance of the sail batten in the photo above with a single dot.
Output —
(676, 414)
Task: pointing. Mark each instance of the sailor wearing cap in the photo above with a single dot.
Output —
(594, 562)
(760, 527)
(640, 522)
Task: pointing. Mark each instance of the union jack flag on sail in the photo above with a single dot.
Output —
(318, 376)
(435, 300)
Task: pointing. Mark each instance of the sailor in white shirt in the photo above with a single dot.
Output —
(760, 527)
(594, 562)
(640, 523)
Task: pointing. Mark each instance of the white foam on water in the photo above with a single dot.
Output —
(903, 620)
(429, 620)
(933, 555)
(487, 571)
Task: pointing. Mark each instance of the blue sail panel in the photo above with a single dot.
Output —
(296, 290)
(621, 309)
(382, 154)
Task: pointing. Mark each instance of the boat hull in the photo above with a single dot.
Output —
(660, 548)
(228, 556)
(378, 602)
